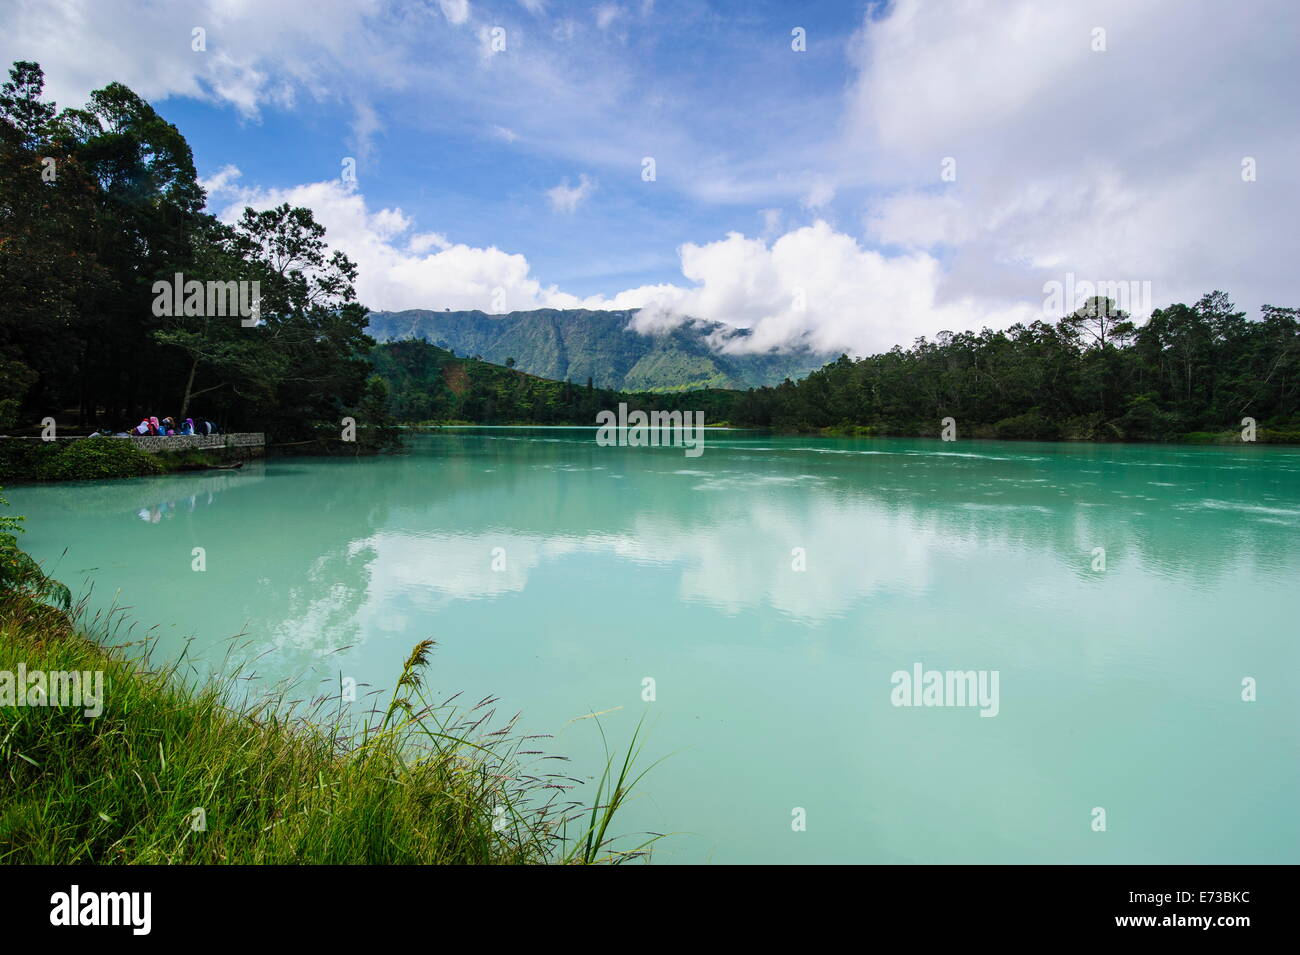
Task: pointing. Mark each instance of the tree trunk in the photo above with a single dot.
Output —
(189, 386)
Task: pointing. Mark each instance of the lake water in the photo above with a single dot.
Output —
(1119, 689)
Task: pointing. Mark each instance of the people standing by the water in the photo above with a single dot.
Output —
(152, 426)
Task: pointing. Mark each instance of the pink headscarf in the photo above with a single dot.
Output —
(154, 427)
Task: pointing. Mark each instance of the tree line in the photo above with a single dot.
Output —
(1092, 375)
(429, 384)
(98, 205)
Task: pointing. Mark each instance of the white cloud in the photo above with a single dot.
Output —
(456, 11)
(221, 181)
(566, 199)
(818, 287)
(812, 286)
(256, 53)
(397, 267)
(1116, 165)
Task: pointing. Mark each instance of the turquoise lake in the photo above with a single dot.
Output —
(770, 589)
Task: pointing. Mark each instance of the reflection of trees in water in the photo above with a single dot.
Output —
(301, 565)
(1160, 504)
(149, 493)
(874, 521)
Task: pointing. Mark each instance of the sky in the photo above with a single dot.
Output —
(842, 175)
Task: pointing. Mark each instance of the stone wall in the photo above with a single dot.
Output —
(245, 444)
(183, 442)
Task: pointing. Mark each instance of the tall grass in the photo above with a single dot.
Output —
(199, 771)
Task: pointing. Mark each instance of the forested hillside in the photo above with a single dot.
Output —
(1093, 375)
(430, 384)
(578, 344)
(1190, 373)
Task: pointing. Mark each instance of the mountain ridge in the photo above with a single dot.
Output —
(577, 344)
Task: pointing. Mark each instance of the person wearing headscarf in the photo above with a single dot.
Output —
(188, 426)
(154, 426)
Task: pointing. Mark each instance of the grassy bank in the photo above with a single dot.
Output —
(169, 773)
(94, 459)
(173, 771)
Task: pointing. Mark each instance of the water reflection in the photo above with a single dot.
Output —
(558, 574)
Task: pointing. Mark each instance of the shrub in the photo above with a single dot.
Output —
(1027, 427)
(94, 458)
(20, 460)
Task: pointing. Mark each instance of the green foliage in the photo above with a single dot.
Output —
(95, 458)
(1030, 426)
(1092, 376)
(279, 782)
(429, 384)
(98, 203)
(20, 460)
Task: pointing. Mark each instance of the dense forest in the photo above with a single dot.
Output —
(428, 384)
(1093, 375)
(99, 204)
(1188, 373)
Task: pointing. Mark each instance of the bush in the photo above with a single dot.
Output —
(21, 459)
(93, 458)
(1143, 420)
(1273, 436)
(1027, 427)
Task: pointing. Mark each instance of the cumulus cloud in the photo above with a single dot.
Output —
(817, 287)
(811, 287)
(400, 267)
(1116, 164)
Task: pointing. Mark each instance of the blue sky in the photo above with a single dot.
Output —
(797, 192)
(722, 84)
